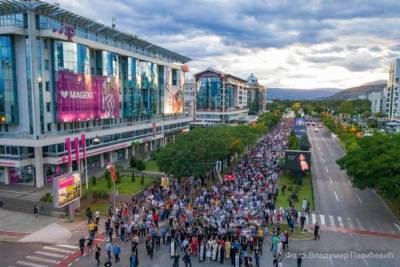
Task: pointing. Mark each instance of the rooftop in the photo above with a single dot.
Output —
(55, 12)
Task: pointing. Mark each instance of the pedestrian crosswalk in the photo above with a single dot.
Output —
(47, 256)
(352, 223)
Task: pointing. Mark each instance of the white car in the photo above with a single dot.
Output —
(316, 130)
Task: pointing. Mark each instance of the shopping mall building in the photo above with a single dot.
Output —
(225, 98)
(63, 75)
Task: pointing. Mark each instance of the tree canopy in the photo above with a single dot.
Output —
(195, 153)
(375, 163)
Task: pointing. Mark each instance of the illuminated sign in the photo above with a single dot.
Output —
(297, 160)
(66, 189)
(83, 97)
(66, 30)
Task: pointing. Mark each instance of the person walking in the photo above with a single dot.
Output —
(134, 261)
(97, 255)
(109, 249)
(117, 252)
(316, 231)
(36, 211)
(299, 260)
(186, 259)
(82, 245)
(175, 260)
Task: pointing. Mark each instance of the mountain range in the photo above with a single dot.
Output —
(300, 94)
(364, 89)
(320, 93)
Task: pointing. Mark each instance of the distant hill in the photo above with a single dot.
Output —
(364, 89)
(300, 94)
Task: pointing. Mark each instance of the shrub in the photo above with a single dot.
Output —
(94, 180)
(86, 194)
(140, 165)
(290, 188)
(47, 198)
(100, 193)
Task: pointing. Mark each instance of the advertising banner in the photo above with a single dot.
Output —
(111, 169)
(66, 189)
(83, 97)
(300, 127)
(173, 95)
(297, 160)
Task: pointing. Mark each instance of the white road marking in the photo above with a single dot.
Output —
(330, 179)
(358, 197)
(322, 218)
(31, 264)
(41, 259)
(397, 226)
(68, 246)
(332, 220)
(314, 218)
(54, 255)
(330, 260)
(323, 159)
(340, 221)
(326, 168)
(337, 198)
(58, 250)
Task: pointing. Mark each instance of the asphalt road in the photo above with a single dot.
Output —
(340, 205)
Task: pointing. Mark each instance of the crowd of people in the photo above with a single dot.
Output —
(223, 221)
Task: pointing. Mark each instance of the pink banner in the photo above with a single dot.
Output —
(68, 148)
(83, 142)
(83, 97)
(76, 147)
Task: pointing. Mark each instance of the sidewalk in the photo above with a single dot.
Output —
(24, 227)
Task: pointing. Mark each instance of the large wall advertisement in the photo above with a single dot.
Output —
(83, 97)
(67, 188)
(173, 95)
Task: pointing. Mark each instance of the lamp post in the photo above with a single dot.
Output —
(96, 140)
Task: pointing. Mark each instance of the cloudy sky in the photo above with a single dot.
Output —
(285, 43)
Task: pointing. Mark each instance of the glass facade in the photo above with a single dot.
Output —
(228, 97)
(8, 84)
(209, 95)
(71, 57)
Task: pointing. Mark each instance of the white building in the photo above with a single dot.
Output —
(64, 75)
(189, 91)
(391, 92)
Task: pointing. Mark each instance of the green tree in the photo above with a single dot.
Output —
(293, 142)
(374, 163)
(304, 144)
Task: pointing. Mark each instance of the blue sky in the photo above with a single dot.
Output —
(285, 43)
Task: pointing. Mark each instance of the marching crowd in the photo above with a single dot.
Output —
(220, 222)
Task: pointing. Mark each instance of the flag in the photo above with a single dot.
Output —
(83, 143)
(76, 147)
(68, 148)
(111, 169)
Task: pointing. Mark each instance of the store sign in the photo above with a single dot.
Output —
(66, 30)
(66, 189)
(83, 97)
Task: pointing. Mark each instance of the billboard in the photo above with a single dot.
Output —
(83, 97)
(300, 127)
(66, 189)
(297, 160)
(173, 95)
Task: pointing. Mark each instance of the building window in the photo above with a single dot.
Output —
(46, 64)
(174, 77)
(48, 106)
(49, 127)
(47, 86)
(46, 43)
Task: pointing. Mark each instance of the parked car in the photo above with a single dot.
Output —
(316, 130)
